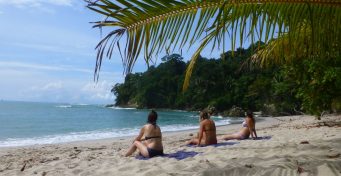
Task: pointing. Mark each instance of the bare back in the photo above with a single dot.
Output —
(153, 137)
(208, 131)
(250, 126)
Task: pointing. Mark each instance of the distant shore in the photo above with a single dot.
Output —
(291, 144)
(233, 112)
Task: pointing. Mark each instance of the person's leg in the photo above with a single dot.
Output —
(193, 141)
(138, 145)
(131, 150)
(229, 137)
(142, 148)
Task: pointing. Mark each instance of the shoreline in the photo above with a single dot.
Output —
(295, 142)
(165, 133)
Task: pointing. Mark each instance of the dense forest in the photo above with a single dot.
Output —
(302, 86)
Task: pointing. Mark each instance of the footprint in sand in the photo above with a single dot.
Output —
(72, 165)
(125, 168)
(77, 171)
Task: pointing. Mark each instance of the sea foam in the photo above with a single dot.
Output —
(94, 135)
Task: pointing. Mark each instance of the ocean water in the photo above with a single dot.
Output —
(27, 123)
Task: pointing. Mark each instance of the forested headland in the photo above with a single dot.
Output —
(310, 86)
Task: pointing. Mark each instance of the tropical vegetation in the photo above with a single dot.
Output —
(302, 33)
(224, 84)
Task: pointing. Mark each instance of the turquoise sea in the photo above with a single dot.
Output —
(27, 123)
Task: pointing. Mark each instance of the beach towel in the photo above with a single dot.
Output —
(179, 155)
(262, 138)
(216, 145)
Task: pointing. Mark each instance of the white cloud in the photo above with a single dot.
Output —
(53, 85)
(35, 82)
(49, 86)
(13, 67)
(99, 91)
(78, 49)
(57, 90)
(59, 2)
(20, 65)
(36, 3)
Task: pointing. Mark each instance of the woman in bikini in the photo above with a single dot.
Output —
(149, 141)
(207, 131)
(247, 129)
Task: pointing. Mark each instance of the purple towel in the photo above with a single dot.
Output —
(225, 144)
(179, 155)
(216, 145)
(261, 138)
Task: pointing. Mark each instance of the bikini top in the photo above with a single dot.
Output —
(244, 124)
(151, 137)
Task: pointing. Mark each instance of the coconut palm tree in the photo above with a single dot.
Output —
(291, 28)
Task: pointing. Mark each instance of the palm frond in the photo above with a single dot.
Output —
(281, 50)
(152, 26)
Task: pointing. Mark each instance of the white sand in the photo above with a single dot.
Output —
(283, 154)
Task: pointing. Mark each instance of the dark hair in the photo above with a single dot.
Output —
(204, 115)
(152, 117)
(249, 114)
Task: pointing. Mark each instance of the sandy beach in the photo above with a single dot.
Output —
(290, 145)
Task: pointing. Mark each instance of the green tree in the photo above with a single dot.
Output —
(126, 92)
(293, 30)
(179, 23)
(220, 83)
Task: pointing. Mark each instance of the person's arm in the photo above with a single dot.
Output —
(250, 125)
(254, 128)
(201, 131)
(138, 138)
(254, 131)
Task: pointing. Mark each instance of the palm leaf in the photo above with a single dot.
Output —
(157, 25)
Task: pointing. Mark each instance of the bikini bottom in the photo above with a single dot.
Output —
(244, 137)
(153, 152)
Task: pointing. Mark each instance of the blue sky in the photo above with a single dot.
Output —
(47, 53)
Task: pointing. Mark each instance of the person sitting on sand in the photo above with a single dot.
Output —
(247, 129)
(149, 141)
(207, 131)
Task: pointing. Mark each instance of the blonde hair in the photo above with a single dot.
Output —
(204, 115)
